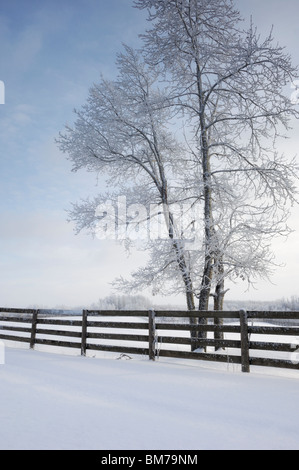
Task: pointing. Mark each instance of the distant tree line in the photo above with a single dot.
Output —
(122, 302)
(140, 302)
(279, 305)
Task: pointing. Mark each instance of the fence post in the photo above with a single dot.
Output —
(84, 332)
(33, 328)
(151, 335)
(244, 341)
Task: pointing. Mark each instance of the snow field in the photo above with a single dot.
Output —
(53, 401)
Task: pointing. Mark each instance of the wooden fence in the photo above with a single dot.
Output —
(229, 337)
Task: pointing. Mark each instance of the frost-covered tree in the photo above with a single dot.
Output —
(193, 118)
(229, 85)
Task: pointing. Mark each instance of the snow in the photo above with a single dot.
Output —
(55, 401)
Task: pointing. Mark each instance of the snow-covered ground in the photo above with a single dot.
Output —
(54, 401)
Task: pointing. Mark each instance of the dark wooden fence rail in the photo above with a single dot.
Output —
(202, 344)
(237, 339)
(98, 326)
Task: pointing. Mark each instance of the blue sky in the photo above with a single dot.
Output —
(51, 52)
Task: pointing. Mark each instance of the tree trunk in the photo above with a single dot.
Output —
(218, 306)
(208, 213)
(183, 267)
(193, 321)
(219, 299)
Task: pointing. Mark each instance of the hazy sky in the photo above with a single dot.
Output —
(51, 52)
